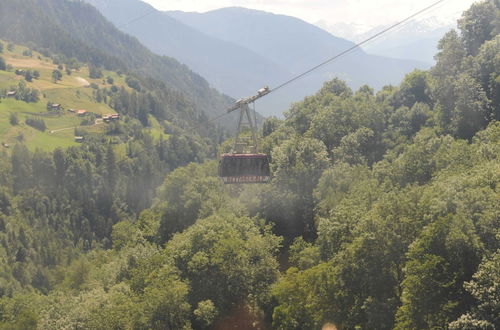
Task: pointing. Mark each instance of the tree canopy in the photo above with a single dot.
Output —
(383, 211)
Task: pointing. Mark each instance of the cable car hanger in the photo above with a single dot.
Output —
(253, 167)
(243, 105)
(240, 165)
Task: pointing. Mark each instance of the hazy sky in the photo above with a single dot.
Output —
(364, 12)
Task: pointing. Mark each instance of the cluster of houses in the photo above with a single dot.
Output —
(110, 118)
(79, 113)
(105, 118)
(55, 106)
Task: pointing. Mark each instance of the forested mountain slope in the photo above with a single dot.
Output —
(78, 30)
(383, 213)
(234, 69)
(57, 204)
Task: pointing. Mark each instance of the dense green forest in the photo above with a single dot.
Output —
(383, 213)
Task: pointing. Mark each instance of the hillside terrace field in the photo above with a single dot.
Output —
(71, 92)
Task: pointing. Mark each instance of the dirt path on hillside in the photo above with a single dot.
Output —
(97, 122)
(82, 81)
(33, 63)
(62, 129)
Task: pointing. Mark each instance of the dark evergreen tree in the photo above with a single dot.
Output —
(3, 66)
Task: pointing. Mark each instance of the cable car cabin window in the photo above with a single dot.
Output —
(244, 168)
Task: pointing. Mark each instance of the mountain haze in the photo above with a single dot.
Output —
(240, 50)
(78, 30)
(225, 63)
(383, 211)
(298, 46)
(416, 39)
(293, 42)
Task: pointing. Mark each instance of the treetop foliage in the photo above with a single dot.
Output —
(383, 213)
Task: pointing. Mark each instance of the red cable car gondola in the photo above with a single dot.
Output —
(244, 168)
(240, 166)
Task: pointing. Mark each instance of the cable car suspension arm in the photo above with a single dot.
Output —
(242, 104)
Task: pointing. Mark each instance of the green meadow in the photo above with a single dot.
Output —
(71, 92)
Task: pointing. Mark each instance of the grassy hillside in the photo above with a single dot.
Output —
(71, 92)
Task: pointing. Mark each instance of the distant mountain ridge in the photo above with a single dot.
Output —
(224, 62)
(287, 39)
(239, 50)
(298, 46)
(417, 39)
(78, 30)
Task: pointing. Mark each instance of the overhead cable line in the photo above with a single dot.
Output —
(396, 30)
(400, 27)
(152, 11)
(345, 52)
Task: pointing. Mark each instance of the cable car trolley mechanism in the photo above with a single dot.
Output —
(245, 165)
